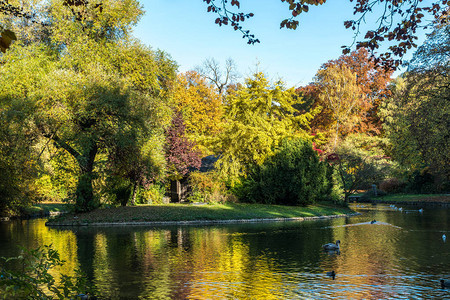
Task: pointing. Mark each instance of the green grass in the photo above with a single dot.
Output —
(43, 208)
(187, 212)
(416, 197)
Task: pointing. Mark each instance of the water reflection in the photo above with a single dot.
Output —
(402, 255)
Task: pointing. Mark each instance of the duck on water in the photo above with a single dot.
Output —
(332, 274)
(445, 283)
(331, 246)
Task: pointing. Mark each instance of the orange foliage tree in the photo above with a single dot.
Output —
(372, 81)
(340, 94)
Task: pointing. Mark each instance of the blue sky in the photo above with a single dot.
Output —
(188, 33)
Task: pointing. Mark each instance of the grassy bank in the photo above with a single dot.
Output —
(44, 209)
(37, 210)
(190, 212)
(414, 198)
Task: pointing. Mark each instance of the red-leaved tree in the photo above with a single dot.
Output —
(181, 154)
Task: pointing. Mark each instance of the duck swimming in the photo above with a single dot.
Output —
(331, 246)
(331, 274)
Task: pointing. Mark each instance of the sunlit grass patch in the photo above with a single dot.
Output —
(53, 207)
(189, 212)
(416, 197)
(45, 208)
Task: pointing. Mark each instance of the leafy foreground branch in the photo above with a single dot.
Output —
(27, 276)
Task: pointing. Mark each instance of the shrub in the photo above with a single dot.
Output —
(154, 194)
(116, 191)
(293, 176)
(392, 185)
(207, 187)
(422, 182)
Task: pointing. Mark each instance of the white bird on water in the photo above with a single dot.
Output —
(444, 237)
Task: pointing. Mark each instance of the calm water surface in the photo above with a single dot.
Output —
(401, 256)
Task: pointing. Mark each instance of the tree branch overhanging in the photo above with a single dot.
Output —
(398, 23)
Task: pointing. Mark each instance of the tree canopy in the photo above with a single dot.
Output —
(372, 82)
(97, 94)
(180, 151)
(200, 105)
(258, 116)
(339, 93)
(416, 118)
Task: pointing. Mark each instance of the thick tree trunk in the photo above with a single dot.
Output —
(134, 194)
(175, 191)
(85, 193)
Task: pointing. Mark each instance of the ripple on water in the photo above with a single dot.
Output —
(300, 285)
(258, 261)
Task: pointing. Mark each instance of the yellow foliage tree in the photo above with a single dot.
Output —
(259, 115)
(339, 93)
(201, 107)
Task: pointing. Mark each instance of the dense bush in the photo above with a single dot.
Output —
(153, 194)
(121, 191)
(392, 185)
(293, 176)
(207, 187)
(424, 182)
(117, 190)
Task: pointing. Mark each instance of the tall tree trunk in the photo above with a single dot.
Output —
(134, 194)
(85, 193)
(337, 135)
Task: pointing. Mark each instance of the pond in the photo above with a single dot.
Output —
(402, 256)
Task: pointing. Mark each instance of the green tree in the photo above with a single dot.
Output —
(359, 162)
(201, 107)
(101, 90)
(416, 117)
(258, 116)
(18, 164)
(294, 175)
(84, 114)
